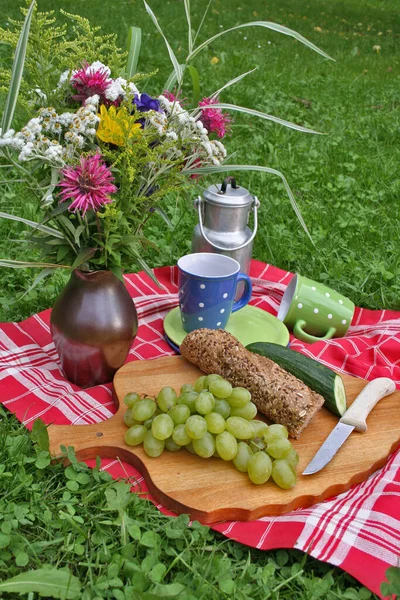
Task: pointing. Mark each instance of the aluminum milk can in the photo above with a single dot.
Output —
(224, 212)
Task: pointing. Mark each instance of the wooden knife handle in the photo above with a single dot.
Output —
(374, 391)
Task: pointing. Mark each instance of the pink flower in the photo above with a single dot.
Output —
(213, 119)
(89, 81)
(170, 96)
(89, 184)
(174, 97)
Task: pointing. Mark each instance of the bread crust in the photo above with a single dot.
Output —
(279, 395)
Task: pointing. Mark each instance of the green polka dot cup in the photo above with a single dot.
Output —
(313, 311)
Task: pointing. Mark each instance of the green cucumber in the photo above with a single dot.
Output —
(319, 378)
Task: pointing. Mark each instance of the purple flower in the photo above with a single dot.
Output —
(146, 103)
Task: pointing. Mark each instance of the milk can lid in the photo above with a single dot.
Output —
(228, 193)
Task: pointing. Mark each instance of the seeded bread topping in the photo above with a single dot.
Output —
(280, 396)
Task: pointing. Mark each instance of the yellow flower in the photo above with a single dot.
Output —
(116, 127)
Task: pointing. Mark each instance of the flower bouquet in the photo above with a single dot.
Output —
(99, 154)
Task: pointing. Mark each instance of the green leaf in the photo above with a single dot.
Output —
(55, 242)
(134, 531)
(171, 81)
(60, 208)
(33, 224)
(164, 216)
(43, 460)
(190, 34)
(133, 48)
(5, 539)
(261, 115)
(268, 25)
(157, 572)
(16, 73)
(176, 65)
(47, 197)
(84, 255)
(282, 557)
(227, 585)
(40, 435)
(51, 583)
(77, 234)
(62, 252)
(393, 587)
(67, 224)
(232, 82)
(22, 559)
(22, 264)
(117, 272)
(146, 268)
(83, 478)
(70, 473)
(226, 167)
(149, 539)
(170, 590)
(42, 275)
(73, 486)
(195, 85)
(351, 594)
(69, 452)
(118, 496)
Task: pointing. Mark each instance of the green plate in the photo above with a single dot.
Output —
(249, 324)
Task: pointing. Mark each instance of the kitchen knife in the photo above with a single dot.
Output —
(353, 418)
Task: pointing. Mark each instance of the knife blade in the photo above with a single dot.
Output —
(354, 418)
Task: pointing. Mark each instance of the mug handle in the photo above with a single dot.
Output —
(246, 296)
(307, 337)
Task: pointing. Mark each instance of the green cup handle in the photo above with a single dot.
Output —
(306, 337)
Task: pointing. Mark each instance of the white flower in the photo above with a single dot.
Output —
(172, 135)
(41, 94)
(17, 144)
(114, 90)
(98, 66)
(92, 100)
(159, 121)
(132, 88)
(208, 148)
(63, 78)
(26, 151)
(90, 108)
(65, 119)
(183, 118)
(34, 126)
(8, 134)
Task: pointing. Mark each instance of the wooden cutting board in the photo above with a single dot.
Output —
(211, 490)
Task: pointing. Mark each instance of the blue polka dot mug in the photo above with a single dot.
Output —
(207, 287)
(314, 311)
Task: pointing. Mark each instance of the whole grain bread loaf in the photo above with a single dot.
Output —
(279, 395)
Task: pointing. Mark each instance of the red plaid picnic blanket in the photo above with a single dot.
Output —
(358, 530)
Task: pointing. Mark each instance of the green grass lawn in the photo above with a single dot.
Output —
(347, 187)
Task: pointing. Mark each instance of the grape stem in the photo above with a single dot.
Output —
(255, 444)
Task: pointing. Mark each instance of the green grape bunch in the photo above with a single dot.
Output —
(210, 418)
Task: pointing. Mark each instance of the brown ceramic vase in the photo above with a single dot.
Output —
(93, 324)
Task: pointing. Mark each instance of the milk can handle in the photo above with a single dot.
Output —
(199, 201)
